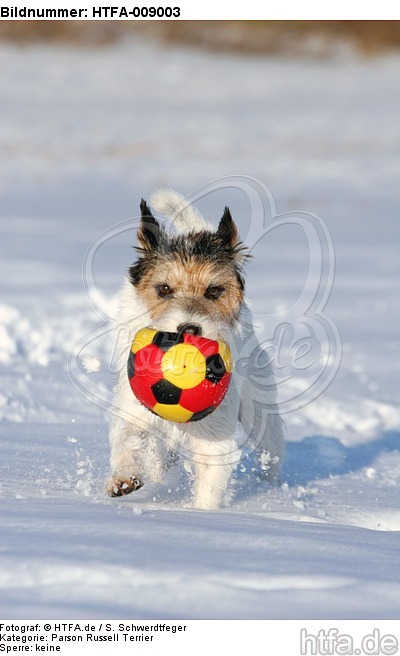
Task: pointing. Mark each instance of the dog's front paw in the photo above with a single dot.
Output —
(120, 488)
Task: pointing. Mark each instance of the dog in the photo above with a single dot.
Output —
(192, 280)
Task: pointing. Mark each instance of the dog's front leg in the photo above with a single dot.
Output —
(214, 462)
(128, 451)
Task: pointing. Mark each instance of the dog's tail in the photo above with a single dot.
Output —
(178, 209)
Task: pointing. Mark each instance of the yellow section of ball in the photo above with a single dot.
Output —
(225, 353)
(143, 338)
(184, 365)
(172, 412)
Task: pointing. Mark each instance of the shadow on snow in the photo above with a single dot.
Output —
(320, 457)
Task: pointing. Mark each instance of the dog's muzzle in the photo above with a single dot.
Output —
(190, 329)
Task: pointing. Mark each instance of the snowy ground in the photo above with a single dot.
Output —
(83, 135)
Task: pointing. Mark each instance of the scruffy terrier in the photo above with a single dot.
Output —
(192, 281)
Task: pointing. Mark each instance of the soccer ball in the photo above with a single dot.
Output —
(179, 377)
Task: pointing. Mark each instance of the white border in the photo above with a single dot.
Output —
(233, 637)
(213, 10)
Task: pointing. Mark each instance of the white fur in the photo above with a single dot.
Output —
(140, 441)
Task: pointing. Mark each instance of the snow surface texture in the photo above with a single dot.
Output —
(84, 135)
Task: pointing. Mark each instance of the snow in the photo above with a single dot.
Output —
(85, 134)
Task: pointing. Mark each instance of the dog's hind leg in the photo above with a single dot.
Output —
(258, 412)
(214, 462)
(265, 430)
(271, 448)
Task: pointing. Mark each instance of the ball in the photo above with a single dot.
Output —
(177, 376)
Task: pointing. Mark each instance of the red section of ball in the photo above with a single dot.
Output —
(206, 346)
(143, 392)
(148, 364)
(147, 373)
(205, 394)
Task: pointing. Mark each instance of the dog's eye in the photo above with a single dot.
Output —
(164, 290)
(213, 292)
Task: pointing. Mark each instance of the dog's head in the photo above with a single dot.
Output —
(193, 279)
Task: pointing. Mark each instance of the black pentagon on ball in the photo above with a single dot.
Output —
(131, 365)
(203, 413)
(166, 392)
(164, 340)
(215, 368)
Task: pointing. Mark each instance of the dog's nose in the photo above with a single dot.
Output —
(190, 329)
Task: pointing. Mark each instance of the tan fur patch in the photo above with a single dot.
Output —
(189, 281)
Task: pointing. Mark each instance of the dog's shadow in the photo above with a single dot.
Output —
(315, 458)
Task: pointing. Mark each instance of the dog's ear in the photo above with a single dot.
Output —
(150, 232)
(228, 234)
(227, 230)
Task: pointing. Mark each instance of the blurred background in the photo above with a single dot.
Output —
(264, 37)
